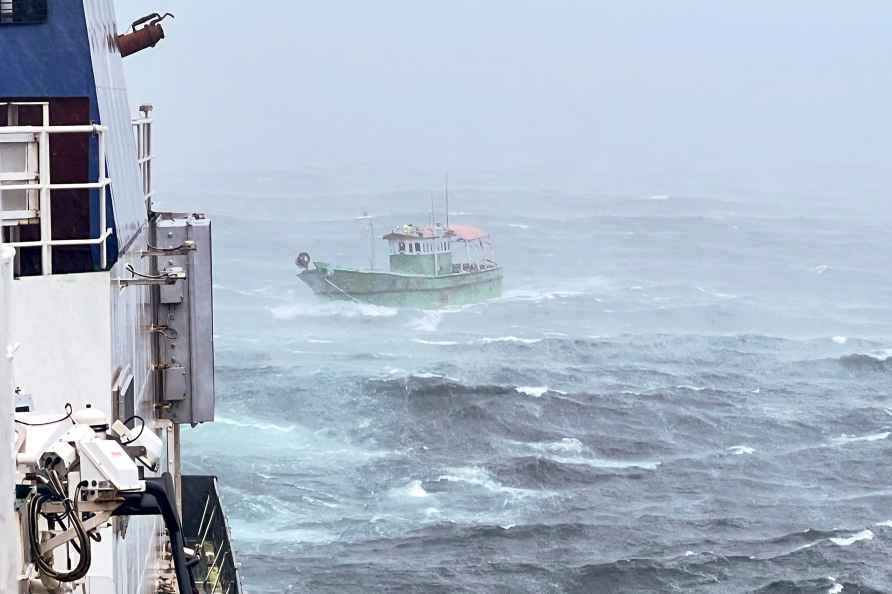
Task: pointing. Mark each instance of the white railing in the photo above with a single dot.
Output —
(36, 140)
(142, 132)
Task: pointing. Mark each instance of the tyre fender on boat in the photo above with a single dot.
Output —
(303, 260)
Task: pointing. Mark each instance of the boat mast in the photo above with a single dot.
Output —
(371, 226)
(447, 202)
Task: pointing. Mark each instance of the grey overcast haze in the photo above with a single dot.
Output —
(596, 96)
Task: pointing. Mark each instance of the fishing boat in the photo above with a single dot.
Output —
(429, 266)
(106, 325)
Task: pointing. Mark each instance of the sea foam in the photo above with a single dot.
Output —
(843, 439)
(341, 309)
(850, 540)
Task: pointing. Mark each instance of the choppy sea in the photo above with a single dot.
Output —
(674, 394)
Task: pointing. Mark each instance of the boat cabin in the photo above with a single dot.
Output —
(438, 250)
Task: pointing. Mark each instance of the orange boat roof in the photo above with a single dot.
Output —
(467, 232)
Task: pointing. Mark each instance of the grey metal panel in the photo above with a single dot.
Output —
(201, 306)
(186, 309)
(176, 383)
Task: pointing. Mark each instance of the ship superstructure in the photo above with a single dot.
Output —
(106, 322)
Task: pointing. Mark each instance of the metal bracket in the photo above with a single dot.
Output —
(165, 331)
(168, 276)
(90, 524)
(184, 249)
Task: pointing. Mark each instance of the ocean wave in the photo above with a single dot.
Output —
(428, 321)
(844, 438)
(866, 362)
(534, 391)
(570, 450)
(413, 489)
(865, 534)
(809, 538)
(479, 477)
(435, 342)
(437, 384)
(561, 289)
(716, 294)
(508, 339)
(555, 472)
(690, 387)
(537, 295)
(326, 309)
(740, 450)
(564, 445)
(254, 425)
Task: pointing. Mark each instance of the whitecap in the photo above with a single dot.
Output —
(658, 197)
(843, 439)
(886, 524)
(319, 341)
(474, 475)
(538, 295)
(534, 391)
(740, 450)
(258, 425)
(509, 339)
(342, 309)
(435, 342)
(821, 269)
(836, 588)
(840, 339)
(690, 387)
(315, 501)
(602, 463)
(429, 321)
(850, 540)
(717, 294)
(431, 375)
(414, 489)
(566, 444)
(518, 225)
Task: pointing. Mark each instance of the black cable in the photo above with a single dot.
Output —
(34, 513)
(160, 249)
(67, 416)
(133, 272)
(141, 428)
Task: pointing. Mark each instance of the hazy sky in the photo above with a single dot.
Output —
(795, 93)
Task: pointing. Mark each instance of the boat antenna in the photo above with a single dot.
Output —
(447, 201)
(371, 226)
(433, 216)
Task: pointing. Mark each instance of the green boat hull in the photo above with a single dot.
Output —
(409, 290)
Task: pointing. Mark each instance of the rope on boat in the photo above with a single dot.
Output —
(342, 291)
